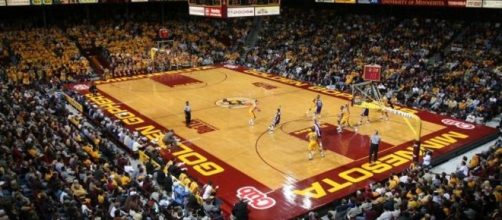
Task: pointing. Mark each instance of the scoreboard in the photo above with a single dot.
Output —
(233, 8)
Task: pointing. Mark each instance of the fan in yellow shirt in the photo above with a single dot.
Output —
(125, 179)
(94, 153)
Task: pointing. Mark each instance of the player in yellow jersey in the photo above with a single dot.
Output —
(313, 144)
(252, 115)
(387, 103)
(344, 117)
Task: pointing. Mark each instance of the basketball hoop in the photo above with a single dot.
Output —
(163, 33)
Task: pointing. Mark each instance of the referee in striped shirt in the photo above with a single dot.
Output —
(374, 143)
(188, 113)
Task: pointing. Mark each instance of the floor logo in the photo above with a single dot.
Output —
(458, 124)
(231, 66)
(234, 102)
(80, 87)
(255, 197)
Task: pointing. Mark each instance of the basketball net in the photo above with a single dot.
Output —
(367, 95)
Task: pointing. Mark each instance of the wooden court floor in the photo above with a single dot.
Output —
(272, 159)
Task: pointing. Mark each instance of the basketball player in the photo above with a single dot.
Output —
(252, 109)
(313, 143)
(275, 121)
(318, 107)
(365, 115)
(317, 129)
(343, 118)
(317, 104)
(385, 115)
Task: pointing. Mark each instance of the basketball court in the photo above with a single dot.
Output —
(271, 170)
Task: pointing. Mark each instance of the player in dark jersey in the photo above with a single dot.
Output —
(365, 115)
(317, 130)
(318, 107)
(275, 121)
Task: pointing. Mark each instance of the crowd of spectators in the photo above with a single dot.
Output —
(135, 47)
(54, 164)
(445, 66)
(42, 54)
(472, 192)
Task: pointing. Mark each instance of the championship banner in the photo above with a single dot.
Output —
(474, 3)
(492, 3)
(346, 1)
(456, 3)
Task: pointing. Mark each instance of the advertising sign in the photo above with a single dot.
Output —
(213, 12)
(240, 12)
(194, 10)
(268, 10)
(87, 1)
(456, 3)
(492, 3)
(18, 2)
(346, 1)
(474, 3)
(368, 1)
(415, 2)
